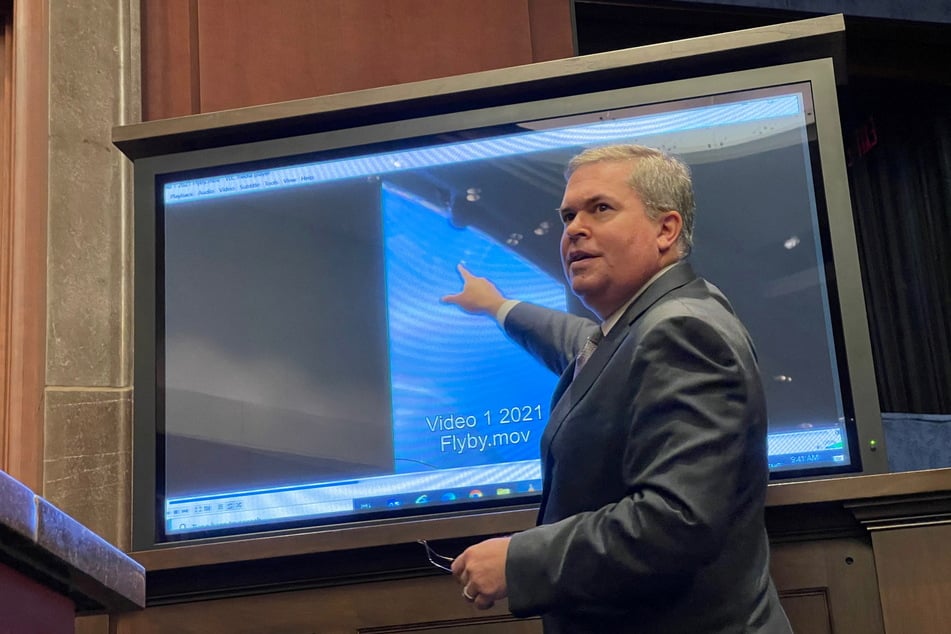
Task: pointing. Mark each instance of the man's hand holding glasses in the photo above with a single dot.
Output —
(480, 570)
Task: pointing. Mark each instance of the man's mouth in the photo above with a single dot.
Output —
(576, 256)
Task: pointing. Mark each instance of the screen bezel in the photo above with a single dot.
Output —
(854, 348)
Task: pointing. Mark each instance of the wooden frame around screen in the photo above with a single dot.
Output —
(23, 210)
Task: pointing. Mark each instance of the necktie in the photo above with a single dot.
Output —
(590, 344)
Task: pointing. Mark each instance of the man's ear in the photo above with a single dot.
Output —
(669, 225)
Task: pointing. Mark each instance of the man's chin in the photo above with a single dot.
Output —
(591, 294)
(583, 289)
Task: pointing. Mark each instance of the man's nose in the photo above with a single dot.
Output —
(576, 228)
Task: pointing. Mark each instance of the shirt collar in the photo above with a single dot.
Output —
(615, 317)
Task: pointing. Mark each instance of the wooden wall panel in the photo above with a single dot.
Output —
(828, 586)
(552, 29)
(6, 174)
(914, 567)
(319, 47)
(209, 55)
(170, 72)
(24, 131)
(423, 604)
(845, 551)
(809, 611)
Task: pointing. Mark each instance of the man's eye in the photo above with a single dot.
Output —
(567, 217)
(602, 207)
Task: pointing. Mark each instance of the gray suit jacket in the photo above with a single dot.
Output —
(655, 472)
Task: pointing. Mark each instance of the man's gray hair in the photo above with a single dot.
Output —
(662, 181)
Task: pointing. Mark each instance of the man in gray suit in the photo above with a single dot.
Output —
(654, 457)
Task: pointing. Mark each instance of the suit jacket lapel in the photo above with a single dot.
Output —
(568, 392)
(680, 275)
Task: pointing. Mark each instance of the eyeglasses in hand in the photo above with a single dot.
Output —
(440, 561)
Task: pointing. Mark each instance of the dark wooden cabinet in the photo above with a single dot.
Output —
(863, 554)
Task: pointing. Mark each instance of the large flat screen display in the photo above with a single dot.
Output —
(306, 372)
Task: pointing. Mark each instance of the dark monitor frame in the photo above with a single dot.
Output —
(461, 111)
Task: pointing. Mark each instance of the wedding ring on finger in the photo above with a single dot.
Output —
(468, 596)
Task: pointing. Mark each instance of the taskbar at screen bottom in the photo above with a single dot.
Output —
(811, 446)
(814, 447)
(397, 494)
